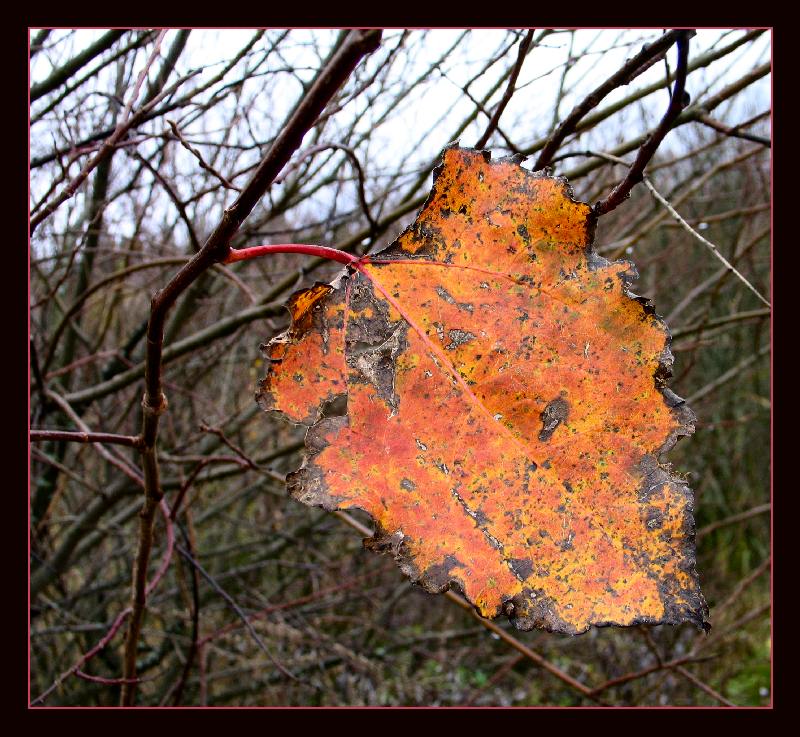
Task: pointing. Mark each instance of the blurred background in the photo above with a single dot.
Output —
(345, 622)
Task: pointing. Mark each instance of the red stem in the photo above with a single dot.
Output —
(333, 254)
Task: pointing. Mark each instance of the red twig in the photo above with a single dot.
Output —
(106, 681)
(333, 254)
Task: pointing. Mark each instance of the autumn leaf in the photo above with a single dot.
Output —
(491, 393)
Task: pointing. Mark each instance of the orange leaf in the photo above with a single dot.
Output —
(505, 408)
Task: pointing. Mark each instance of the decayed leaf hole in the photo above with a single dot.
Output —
(490, 392)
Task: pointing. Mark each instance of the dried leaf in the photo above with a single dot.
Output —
(490, 392)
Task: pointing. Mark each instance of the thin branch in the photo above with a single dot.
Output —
(239, 613)
(720, 322)
(676, 104)
(40, 436)
(113, 459)
(116, 624)
(502, 671)
(235, 448)
(119, 620)
(351, 154)
(703, 686)
(687, 116)
(732, 131)
(194, 646)
(704, 241)
(740, 587)
(203, 165)
(632, 68)
(127, 121)
(37, 43)
(733, 519)
(730, 374)
(680, 220)
(635, 676)
(63, 73)
(524, 45)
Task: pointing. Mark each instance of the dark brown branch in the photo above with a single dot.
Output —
(592, 120)
(151, 114)
(524, 45)
(632, 68)
(676, 104)
(338, 68)
(143, 38)
(217, 246)
(37, 42)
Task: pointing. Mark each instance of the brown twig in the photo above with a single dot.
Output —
(676, 104)
(524, 45)
(632, 68)
(703, 686)
(508, 666)
(118, 621)
(235, 448)
(113, 459)
(359, 170)
(733, 519)
(236, 608)
(730, 374)
(672, 211)
(636, 675)
(194, 646)
(63, 73)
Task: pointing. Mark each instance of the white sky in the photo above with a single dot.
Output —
(404, 136)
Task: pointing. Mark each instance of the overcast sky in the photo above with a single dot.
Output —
(597, 54)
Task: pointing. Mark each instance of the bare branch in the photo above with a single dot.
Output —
(40, 436)
(704, 241)
(524, 45)
(649, 55)
(677, 102)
